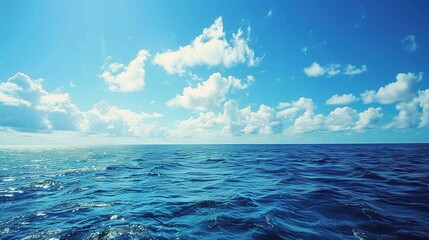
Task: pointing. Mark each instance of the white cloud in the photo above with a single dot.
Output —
(368, 118)
(341, 100)
(368, 96)
(315, 70)
(410, 44)
(306, 122)
(423, 99)
(333, 69)
(269, 14)
(28, 107)
(233, 121)
(298, 115)
(106, 119)
(291, 109)
(210, 48)
(33, 109)
(353, 70)
(8, 95)
(208, 94)
(204, 125)
(408, 115)
(129, 78)
(413, 113)
(244, 121)
(402, 89)
(346, 118)
(341, 119)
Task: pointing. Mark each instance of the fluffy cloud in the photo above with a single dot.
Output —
(233, 121)
(410, 44)
(210, 48)
(244, 121)
(346, 118)
(424, 104)
(408, 115)
(28, 107)
(208, 94)
(341, 100)
(308, 121)
(9, 94)
(402, 89)
(413, 113)
(291, 109)
(368, 118)
(205, 124)
(340, 119)
(315, 70)
(330, 70)
(292, 118)
(110, 120)
(423, 100)
(129, 78)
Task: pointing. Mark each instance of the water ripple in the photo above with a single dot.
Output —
(216, 192)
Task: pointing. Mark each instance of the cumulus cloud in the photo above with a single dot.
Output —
(402, 89)
(409, 43)
(210, 48)
(423, 100)
(110, 120)
(308, 121)
(289, 110)
(346, 118)
(333, 69)
(210, 93)
(130, 78)
(28, 107)
(368, 96)
(412, 113)
(296, 117)
(232, 121)
(408, 115)
(368, 118)
(315, 70)
(205, 124)
(244, 121)
(341, 100)
(340, 119)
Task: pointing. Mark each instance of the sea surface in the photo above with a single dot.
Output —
(215, 192)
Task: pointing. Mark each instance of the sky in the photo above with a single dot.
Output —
(136, 72)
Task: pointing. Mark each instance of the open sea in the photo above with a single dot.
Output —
(360, 192)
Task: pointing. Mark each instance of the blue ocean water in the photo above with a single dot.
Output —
(215, 192)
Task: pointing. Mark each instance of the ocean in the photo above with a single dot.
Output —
(378, 191)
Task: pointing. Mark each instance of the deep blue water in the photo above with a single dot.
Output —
(216, 192)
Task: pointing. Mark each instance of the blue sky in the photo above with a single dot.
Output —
(78, 72)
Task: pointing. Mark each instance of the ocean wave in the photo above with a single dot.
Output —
(216, 192)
